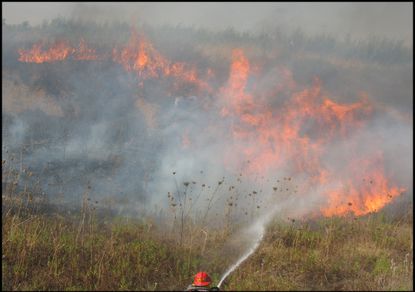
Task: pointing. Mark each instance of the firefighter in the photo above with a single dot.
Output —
(201, 282)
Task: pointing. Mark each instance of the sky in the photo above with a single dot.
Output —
(358, 19)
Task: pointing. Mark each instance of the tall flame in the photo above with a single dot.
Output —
(140, 56)
(295, 136)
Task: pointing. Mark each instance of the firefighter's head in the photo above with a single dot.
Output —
(202, 279)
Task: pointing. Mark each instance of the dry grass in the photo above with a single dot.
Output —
(51, 252)
(55, 252)
(44, 248)
(371, 253)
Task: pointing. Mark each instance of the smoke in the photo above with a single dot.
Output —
(359, 20)
(232, 129)
(223, 137)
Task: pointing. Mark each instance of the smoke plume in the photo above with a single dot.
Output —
(148, 118)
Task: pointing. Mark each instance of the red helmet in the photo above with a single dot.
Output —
(202, 279)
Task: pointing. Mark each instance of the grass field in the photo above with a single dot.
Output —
(105, 132)
(84, 251)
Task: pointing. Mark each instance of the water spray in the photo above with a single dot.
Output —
(257, 230)
(246, 255)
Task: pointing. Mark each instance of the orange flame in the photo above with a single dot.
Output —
(297, 137)
(140, 56)
(59, 51)
(362, 196)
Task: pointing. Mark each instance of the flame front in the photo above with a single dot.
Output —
(59, 51)
(366, 191)
(295, 136)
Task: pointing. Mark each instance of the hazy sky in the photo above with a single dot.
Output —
(393, 20)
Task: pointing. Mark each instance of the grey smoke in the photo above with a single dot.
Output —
(358, 20)
(104, 141)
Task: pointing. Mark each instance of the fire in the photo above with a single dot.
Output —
(362, 196)
(234, 93)
(297, 136)
(140, 56)
(59, 51)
